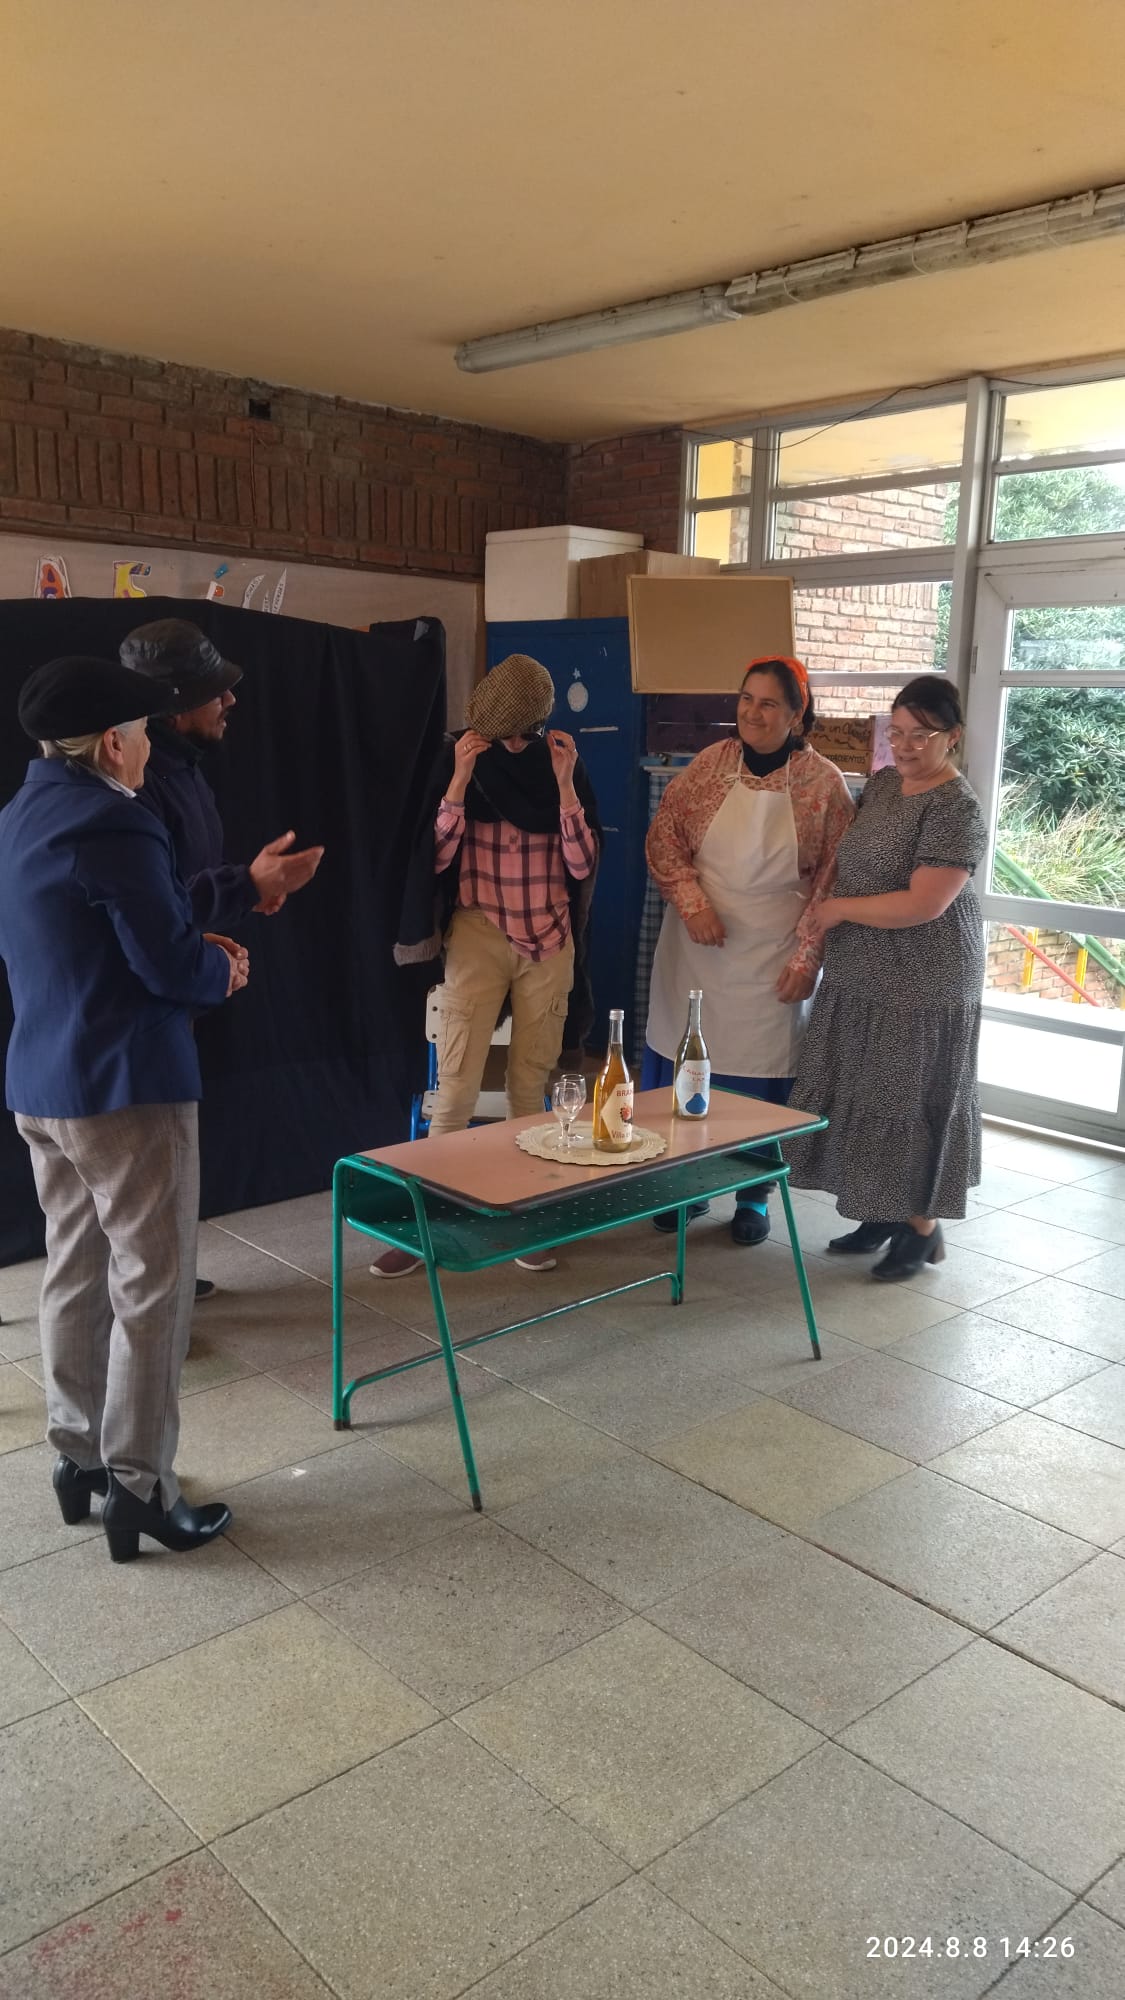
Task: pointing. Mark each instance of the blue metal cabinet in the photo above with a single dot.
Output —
(588, 660)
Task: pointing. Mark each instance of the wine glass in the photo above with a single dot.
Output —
(567, 1099)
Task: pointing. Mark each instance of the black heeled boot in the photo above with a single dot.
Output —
(907, 1254)
(862, 1242)
(125, 1519)
(74, 1486)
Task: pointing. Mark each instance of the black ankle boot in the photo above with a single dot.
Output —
(74, 1486)
(861, 1242)
(668, 1217)
(907, 1254)
(125, 1519)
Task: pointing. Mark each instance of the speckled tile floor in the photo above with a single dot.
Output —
(756, 1678)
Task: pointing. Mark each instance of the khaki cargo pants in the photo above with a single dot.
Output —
(481, 970)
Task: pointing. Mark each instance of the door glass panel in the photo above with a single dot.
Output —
(1037, 981)
(1061, 819)
(1068, 638)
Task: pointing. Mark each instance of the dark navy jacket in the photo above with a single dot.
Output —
(176, 790)
(104, 961)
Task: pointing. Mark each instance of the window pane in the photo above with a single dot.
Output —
(1032, 974)
(1089, 416)
(1077, 500)
(1061, 817)
(723, 467)
(1060, 638)
(854, 523)
(905, 441)
(890, 627)
(723, 533)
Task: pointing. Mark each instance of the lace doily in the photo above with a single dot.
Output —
(545, 1142)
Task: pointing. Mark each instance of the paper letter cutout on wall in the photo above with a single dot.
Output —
(248, 593)
(127, 576)
(279, 593)
(51, 578)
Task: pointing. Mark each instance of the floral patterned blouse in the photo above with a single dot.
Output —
(822, 810)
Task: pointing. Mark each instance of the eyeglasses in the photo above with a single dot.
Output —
(911, 739)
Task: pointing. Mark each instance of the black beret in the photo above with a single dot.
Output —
(80, 696)
(173, 649)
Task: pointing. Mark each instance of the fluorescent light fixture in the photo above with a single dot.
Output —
(1017, 232)
(651, 319)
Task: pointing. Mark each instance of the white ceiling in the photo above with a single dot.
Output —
(334, 194)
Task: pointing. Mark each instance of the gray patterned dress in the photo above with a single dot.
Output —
(891, 1050)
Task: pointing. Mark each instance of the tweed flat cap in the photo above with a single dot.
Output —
(173, 649)
(515, 698)
(80, 696)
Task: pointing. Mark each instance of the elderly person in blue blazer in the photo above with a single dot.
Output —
(106, 968)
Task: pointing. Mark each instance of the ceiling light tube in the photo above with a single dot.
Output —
(679, 312)
(1016, 232)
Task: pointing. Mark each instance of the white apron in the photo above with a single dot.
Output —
(747, 868)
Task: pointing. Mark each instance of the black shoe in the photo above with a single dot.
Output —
(203, 1289)
(125, 1519)
(750, 1225)
(74, 1486)
(668, 1218)
(861, 1242)
(907, 1254)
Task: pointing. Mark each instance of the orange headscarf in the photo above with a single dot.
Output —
(796, 668)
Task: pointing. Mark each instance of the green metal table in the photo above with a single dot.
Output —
(470, 1200)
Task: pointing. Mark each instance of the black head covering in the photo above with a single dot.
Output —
(173, 649)
(80, 696)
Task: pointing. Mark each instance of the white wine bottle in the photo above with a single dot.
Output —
(691, 1078)
(613, 1094)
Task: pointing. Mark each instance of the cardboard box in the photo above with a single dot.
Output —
(603, 581)
(695, 634)
(848, 741)
(533, 572)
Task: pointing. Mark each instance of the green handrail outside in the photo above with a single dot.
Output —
(1020, 882)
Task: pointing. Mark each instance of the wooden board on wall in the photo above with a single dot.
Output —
(694, 635)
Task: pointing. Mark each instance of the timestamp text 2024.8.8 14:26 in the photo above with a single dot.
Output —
(974, 1947)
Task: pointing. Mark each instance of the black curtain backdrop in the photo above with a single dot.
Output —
(334, 734)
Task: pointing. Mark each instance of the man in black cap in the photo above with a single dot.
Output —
(176, 652)
(106, 968)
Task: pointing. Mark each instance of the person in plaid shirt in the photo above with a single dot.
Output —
(513, 843)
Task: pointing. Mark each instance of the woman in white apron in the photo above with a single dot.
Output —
(743, 843)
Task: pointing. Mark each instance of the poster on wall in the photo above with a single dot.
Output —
(51, 578)
(127, 578)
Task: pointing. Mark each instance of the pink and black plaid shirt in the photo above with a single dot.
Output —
(517, 880)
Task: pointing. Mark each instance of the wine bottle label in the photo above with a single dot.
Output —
(617, 1114)
(693, 1089)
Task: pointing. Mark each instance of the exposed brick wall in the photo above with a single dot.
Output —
(628, 483)
(113, 447)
